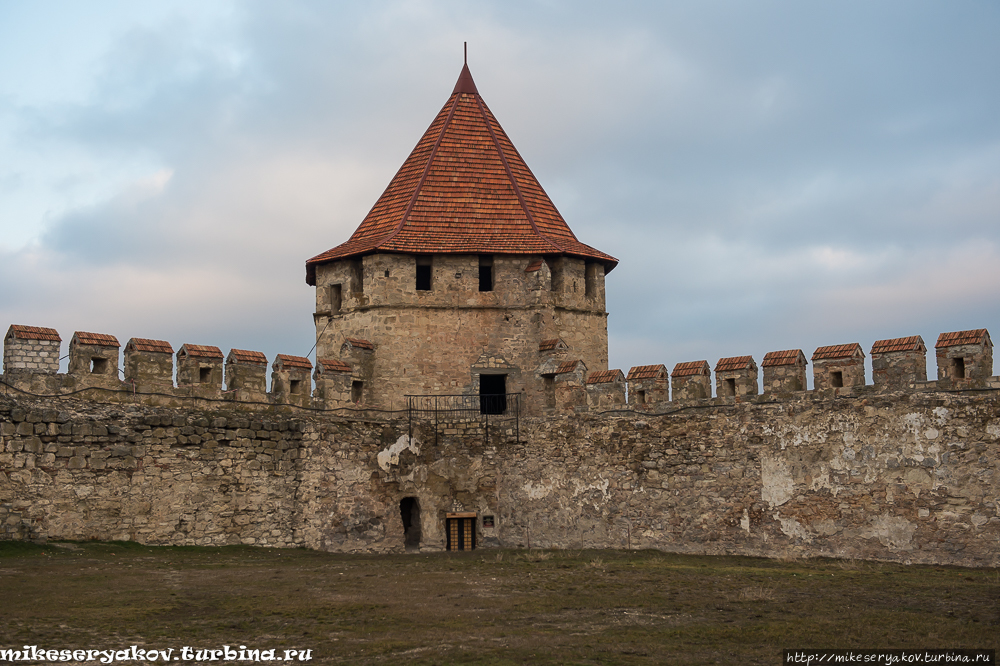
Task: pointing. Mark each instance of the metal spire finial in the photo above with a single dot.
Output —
(465, 46)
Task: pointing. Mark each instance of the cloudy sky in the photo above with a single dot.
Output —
(771, 174)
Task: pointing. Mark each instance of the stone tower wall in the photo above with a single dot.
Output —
(441, 340)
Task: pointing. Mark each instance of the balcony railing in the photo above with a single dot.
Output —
(451, 408)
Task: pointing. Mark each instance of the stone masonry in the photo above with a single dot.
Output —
(908, 477)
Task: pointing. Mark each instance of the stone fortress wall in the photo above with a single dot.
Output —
(905, 469)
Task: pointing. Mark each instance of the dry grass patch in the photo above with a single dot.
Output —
(484, 607)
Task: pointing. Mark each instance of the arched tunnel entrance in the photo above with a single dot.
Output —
(409, 510)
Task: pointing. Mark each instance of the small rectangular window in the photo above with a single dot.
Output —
(358, 268)
(99, 366)
(424, 273)
(336, 295)
(356, 390)
(640, 397)
(590, 280)
(295, 386)
(731, 387)
(959, 368)
(485, 273)
(837, 379)
(204, 375)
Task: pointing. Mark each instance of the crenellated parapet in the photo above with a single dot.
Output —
(964, 361)
(151, 372)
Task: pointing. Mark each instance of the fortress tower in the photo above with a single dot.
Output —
(464, 278)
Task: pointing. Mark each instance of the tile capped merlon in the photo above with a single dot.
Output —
(32, 349)
(736, 377)
(964, 355)
(692, 380)
(838, 366)
(899, 362)
(784, 371)
(93, 354)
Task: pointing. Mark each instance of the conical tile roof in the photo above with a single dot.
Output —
(463, 190)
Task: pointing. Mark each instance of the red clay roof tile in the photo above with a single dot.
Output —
(199, 351)
(464, 189)
(95, 339)
(288, 361)
(567, 366)
(247, 356)
(691, 368)
(33, 333)
(656, 371)
(605, 376)
(149, 345)
(976, 336)
(734, 363)
(332, 365)
(359, 343)
(549, 345)
(831, 352)
(786, 357)
(535, 265)
(911, 343)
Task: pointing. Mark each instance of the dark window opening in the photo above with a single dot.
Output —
(99, 366)
(485, 273)
(837, 379)
(959, 368)
(640, 397)
(336, 294)
(387, 272)
(590, 280)
(409, 511)
(356, 389)
(295, 386)
(488, 521)
(492, 394)
(423, 273)
(359, 277)
(204, 375)
(555, 268)
(461, 533)
(549, 382)
(730, 386)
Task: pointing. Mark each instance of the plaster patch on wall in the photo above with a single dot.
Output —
(993, 430)
(542, 490)
(776, 481)
(601, 486)
(941, 414)
(893, 532)
(792, 435)
(793, 528)
(826, 527)
(390, 456)
(745, 521)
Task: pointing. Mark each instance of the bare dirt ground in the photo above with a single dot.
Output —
(483, 606)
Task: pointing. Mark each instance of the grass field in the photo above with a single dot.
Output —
(484, 606)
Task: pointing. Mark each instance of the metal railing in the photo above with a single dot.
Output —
(451, 408)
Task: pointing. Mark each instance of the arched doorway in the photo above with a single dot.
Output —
(409, 511)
